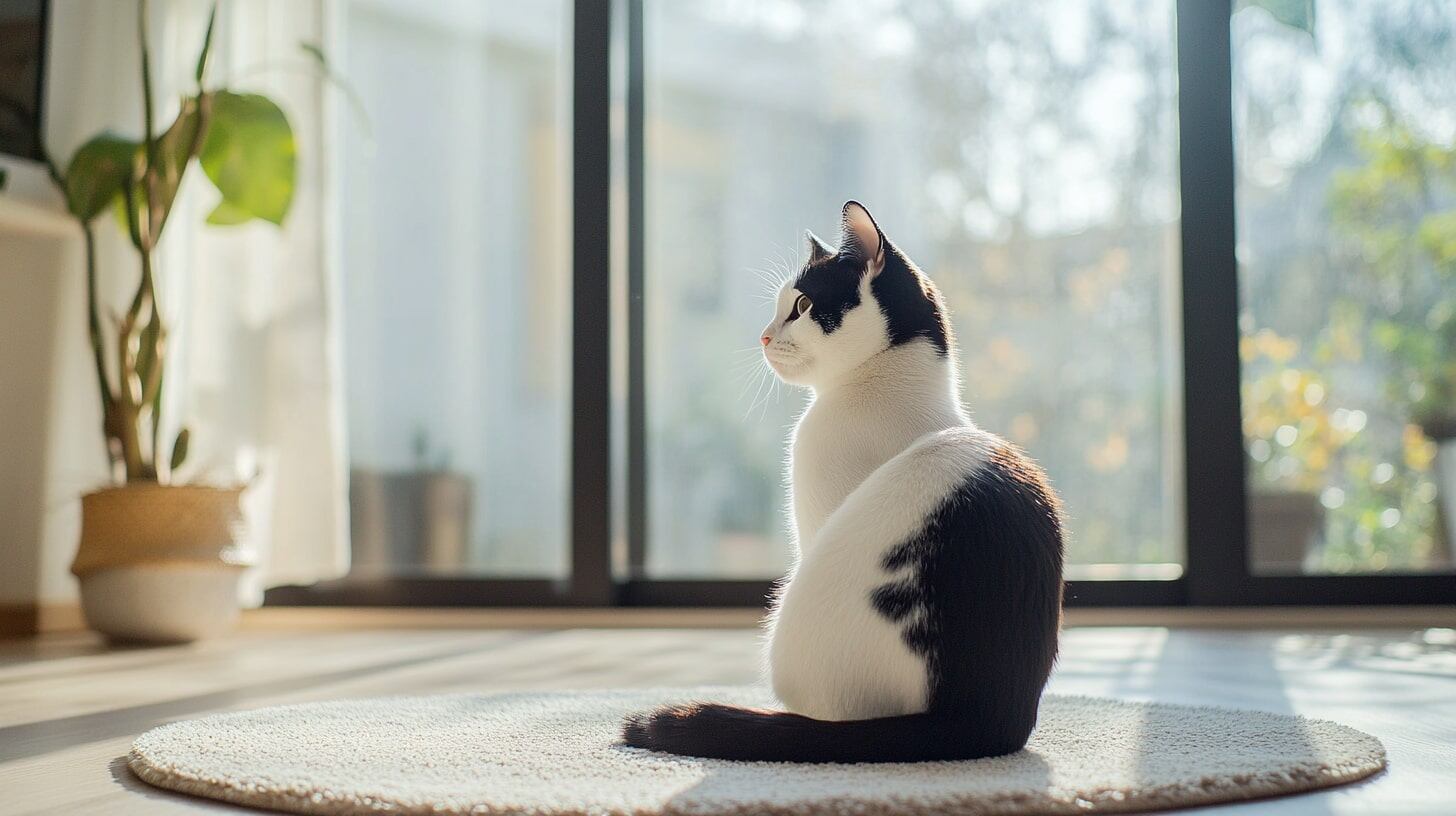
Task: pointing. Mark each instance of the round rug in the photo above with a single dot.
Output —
(550, 754)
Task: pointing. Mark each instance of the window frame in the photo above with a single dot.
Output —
(1217, 569)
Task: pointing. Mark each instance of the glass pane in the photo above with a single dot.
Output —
(1023, 153)
(456, 290)
(1346, 152)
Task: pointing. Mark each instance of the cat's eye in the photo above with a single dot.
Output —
(801, 306)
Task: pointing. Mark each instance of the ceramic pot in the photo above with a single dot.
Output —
(409, 521)
(1285, 528)
(1443, 433)
(161, 564)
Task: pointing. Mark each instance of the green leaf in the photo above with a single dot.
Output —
(227, 215)
(175, 148)
(119, 211)
(1297, 14)
(250, 155)
(315, 51)
(98, 172)
(356, 102)
(179, 448)
(206, 46)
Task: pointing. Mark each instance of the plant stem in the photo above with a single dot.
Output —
(154, 333)
(149, 164)
(127, 398)
(98, 348)
(147, 105)
(132, 396)
(136, 395)
(93, 317)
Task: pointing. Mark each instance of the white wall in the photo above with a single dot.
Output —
(50, 443)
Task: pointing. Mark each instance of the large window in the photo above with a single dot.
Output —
(1200, 258)
(1024, 154)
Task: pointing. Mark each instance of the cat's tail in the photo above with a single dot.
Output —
(719, 731)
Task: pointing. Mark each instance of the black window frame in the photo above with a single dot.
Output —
(1217, 570)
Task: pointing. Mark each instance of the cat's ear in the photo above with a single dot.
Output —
(862, 239)
(818, 250)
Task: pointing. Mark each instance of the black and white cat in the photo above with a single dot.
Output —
(920, 621)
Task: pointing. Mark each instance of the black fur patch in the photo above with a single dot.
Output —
(896, 600)
(988, 579)
(832, 284)
(909, 301)
(921, 636)
(901, 555)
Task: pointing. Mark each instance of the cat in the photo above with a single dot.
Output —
(920, 621)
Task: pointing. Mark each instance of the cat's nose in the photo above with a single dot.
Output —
(765, 339)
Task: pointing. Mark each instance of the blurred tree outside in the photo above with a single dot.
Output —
(1350, 318)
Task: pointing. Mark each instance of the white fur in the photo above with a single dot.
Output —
(802, 354)
(883, 442)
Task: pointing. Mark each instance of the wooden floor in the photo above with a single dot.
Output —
(69, 707)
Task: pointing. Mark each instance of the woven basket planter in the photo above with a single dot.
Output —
(161, 563)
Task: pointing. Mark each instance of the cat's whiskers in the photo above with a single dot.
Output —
(776, 390)
(747, 358)
(781, 271)
(787, 266)
(760, 379)
(751, 371)
(750, 378)
(771, 282)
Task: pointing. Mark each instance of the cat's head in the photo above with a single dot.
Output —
(847, 305)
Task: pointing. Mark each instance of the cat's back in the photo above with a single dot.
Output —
(949, 485)
(835, 448)
(895, 500)
(936, 463)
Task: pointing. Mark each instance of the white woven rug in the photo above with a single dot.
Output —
(548, 754)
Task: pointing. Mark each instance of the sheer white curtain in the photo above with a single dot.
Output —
(259, 372)
(255, 370)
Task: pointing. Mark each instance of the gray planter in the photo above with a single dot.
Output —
(1443, 433)
(1285, 528)
(409, 522)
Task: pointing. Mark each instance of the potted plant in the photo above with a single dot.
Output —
(1292, 445)
(416, 519)
(1427, 354)
(1396, 218)
(1423, 376)
(1423, 353)
(160, 560)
